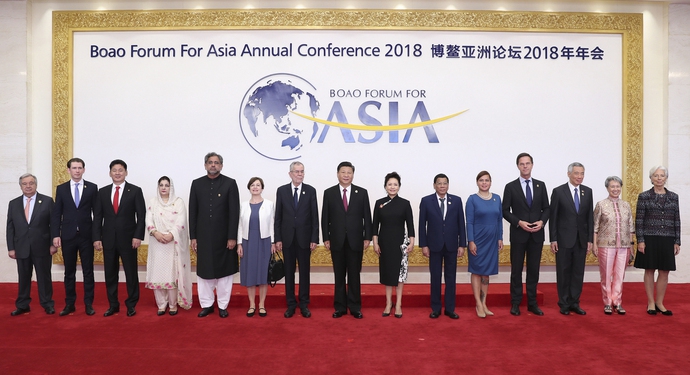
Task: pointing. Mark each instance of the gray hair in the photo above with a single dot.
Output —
(294, 164)
(656, 168)
(25, 175)
(212, 154)
(573, 165)
(613, 178)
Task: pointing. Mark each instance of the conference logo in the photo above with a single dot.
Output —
(281, 113)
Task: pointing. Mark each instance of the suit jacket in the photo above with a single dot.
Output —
(67, 217)
(266, 218)
(118, 230)
(32, 237)
(567, 225)
(515, 208)
(353, 225)
(434, 232)
(299, 224)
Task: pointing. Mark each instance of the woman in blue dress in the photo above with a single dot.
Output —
(256, 228)
(485, 237)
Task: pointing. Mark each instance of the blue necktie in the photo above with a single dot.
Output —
(528, 194)
(294, 197)
(76, 194)
(577, 201)
(443, 208)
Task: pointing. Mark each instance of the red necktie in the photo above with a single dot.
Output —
(116, 199)
(345, 199)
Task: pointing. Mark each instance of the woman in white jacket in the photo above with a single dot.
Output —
(256, 227)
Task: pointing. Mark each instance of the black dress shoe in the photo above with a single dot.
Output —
(358, 315)
(262, 312)
(534, 309)
(577, 310)
(223, 313)
(305, 312)
(434, 314)
(20, 311)
(665, 312)
(515, 310)
(68, 310)
(451, 314)
(131, 312)
(338, 314)
(289, 313)
(205, 311)
(160, 312)
(565, 311)
(89, 310)
(173, 312)
(50, 310)
(111, 311)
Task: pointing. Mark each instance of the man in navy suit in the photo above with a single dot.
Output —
(71, 229)
(296, 235)
(28, 241)
(526, 208)
(347, 231)
(571, 228)
(118, 228)
(442, 239)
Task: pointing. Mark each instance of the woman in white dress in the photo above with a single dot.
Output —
(168, 264)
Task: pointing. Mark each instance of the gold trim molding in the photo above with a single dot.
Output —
(629, 25)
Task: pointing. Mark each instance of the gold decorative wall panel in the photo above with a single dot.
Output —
(629, 26)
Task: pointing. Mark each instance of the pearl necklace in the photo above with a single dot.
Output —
(487, 198)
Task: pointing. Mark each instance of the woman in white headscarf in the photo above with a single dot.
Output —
(168, 265)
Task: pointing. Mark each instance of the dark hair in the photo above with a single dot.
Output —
(346, 164)
(253, 179)
(394, 175)
(441, 175)
(75, 160)
(116, 162)
(483, 173)
(166, 178)
(212, 154)
(522, 155)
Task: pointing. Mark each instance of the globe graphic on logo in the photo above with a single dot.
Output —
(266, 121)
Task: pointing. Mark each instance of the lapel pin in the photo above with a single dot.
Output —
(40, 201)
(449, 202)
(537, 185)
(356, 191)
(219, 194)
(304, 192)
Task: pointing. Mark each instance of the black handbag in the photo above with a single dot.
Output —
(276, 269)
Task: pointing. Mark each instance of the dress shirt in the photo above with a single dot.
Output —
(572, 190)
(299, 191)
(445, 203)
(112, 193)
(81, 188)
(349, 192)
(31, 205)
(524, 186)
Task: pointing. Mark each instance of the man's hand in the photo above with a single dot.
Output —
(312, 246)
(327, 244)
(461, 251)
(53, 250)
(57, 242)
(136, 243)
(232, 244)
(279, 245)
(554, 247)
(98, 245)
(425, 251)
(193, 245)
(366, 244)
(12, 254)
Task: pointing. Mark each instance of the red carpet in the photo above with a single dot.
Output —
(147, 344)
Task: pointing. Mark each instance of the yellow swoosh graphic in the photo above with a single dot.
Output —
(379, 127)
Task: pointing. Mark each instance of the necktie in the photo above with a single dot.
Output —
(577, 201)
(443, 208)
(76, 194)
(528, 194)
(294, 197)
(27, 208)
(345, 199)
(116, 199)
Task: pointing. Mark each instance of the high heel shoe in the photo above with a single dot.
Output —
(398, 315)
(488, 312)
(385, 314)
(482, 315)
(665, 312)
(619, 309)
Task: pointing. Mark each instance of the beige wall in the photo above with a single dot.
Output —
(25, 92)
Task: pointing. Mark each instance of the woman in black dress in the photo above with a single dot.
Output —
(658, 237)
(392, 242)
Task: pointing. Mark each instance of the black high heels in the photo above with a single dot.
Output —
(665, 312)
